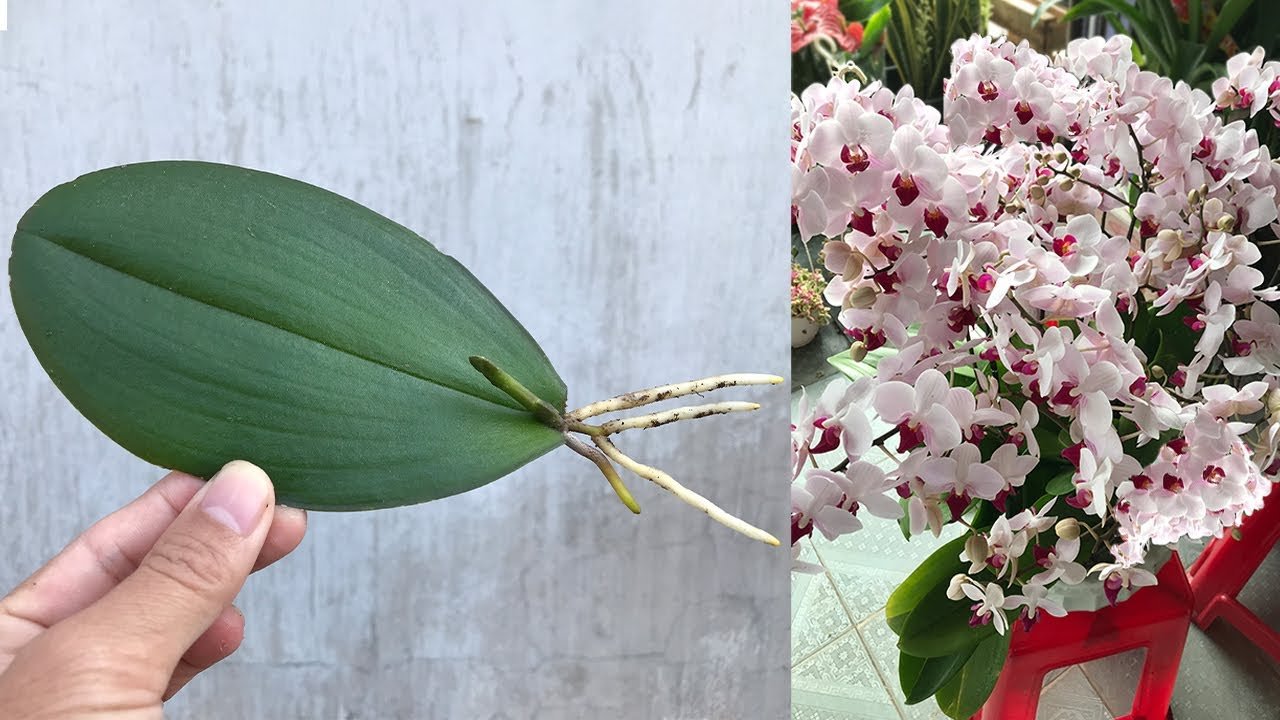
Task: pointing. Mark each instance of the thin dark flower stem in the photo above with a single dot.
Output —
(1095, 186)
(879, 442)
(1142, 162)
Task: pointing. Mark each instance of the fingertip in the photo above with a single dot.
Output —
(292, 516)
(177, 488)
(246, 469)
(239, 497)
(288, 527)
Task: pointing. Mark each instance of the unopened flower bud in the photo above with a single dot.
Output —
(1061, 157)
(1157, 372)
(1194, 196)
(863, 297)
(975, 549)
(1036, 193)
(955, 589)
(1273, 401)
(858, 351)
(1226, 223)
(1075, 172)
(1067, 184)
(1067, 529)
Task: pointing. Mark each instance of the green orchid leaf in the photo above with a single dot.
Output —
(984, 516)
(198, 313)
(969, 688)
(939, 567)
(875, 27)
(904, 522)
(1061, 484)
(1142, 27)
(1174, 341)
(1050, 440)
(1228, 16)
(922, 677)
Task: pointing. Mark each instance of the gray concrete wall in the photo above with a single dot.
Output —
(615, 172)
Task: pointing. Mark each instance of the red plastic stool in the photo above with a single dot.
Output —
(1155, 617)
(1224, 567)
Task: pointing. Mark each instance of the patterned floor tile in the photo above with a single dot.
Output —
(800, 581)
(863, 589)
(1071, 697)
(814, 712)
(817, 617)
(880, 545)
(841, 676)
(1116, 679)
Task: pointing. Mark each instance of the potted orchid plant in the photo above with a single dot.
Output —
(809, 312)
(1085, 360)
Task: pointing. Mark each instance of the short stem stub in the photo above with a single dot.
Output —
(540, 408)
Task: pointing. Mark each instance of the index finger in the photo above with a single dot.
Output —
(110, 550)
(102, 556)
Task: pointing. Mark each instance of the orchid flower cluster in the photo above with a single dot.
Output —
(1064, 263)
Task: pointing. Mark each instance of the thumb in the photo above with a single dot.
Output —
(193, 571)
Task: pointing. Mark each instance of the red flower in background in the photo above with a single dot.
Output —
(811, 19)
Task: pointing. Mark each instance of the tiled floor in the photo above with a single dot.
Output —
(844, 657)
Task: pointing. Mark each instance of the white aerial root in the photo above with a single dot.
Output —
(668, 483)
(573, 422)
(666, 392)
(658, 419)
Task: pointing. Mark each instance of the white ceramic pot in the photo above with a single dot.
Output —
(803, 331)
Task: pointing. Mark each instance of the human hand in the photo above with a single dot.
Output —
(140, 603)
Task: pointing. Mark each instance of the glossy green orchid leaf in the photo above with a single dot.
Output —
(968, 689)
(197, 313)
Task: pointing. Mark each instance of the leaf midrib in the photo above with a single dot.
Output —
(54, 240)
